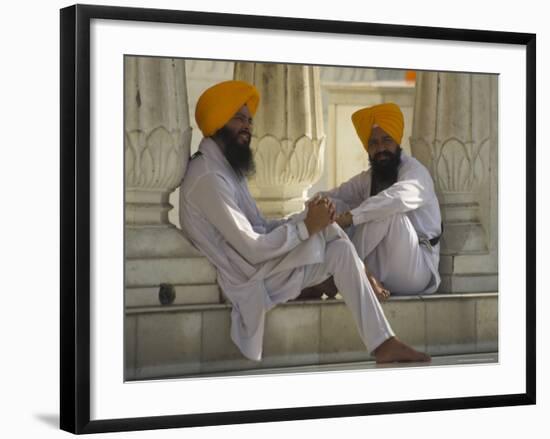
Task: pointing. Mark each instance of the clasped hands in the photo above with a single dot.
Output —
(321, 212)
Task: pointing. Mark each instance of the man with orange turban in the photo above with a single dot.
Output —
(262, 263)
(390, 211)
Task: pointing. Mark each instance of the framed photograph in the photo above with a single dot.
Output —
(149, 324)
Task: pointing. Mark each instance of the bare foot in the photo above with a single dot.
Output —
(394, 350)
(380, 291)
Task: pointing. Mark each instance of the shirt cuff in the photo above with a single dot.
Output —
(356, 217)
(302, 230)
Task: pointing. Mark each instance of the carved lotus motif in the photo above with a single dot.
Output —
(459, 165)
(280, 162)
(456, 165)
(155, 160)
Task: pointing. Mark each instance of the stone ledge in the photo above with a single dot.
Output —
(178, 340)
(145, 297)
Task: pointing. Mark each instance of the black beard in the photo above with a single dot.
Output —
(239, 155)
(384, 172)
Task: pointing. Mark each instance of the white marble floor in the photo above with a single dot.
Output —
(439, 361)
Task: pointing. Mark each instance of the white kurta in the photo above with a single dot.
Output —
(259, 263)
(390, 229)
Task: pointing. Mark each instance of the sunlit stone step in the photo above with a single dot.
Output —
(179, 340)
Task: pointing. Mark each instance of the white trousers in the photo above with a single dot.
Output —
(392, 253)
(343, 263)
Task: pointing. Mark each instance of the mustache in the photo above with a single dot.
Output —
(381, 154)
(247, 133)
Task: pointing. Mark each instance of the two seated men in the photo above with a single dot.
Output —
(373, 235)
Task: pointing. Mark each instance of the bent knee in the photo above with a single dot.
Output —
(342, 246)
(334, 232)
(397, 220)
(341, 256)
(399, 217)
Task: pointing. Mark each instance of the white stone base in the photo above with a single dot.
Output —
(471, 273)
(157, 241)
(175, 271)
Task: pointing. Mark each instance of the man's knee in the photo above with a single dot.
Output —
(368, 236)
(341, 249)
(334, 232)
(391, 223)
(400, 218)
(402, 228)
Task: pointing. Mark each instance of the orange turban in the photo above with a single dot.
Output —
(387, 116)
(218, 104)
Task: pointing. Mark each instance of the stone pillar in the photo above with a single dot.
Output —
(455, 137)
(288, 137)
(157, 136)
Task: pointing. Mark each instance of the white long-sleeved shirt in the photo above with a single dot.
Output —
(219, 215)
(412, 194)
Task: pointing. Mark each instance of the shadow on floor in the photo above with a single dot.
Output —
(50, 419)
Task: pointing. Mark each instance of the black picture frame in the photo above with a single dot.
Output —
(75, 217)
